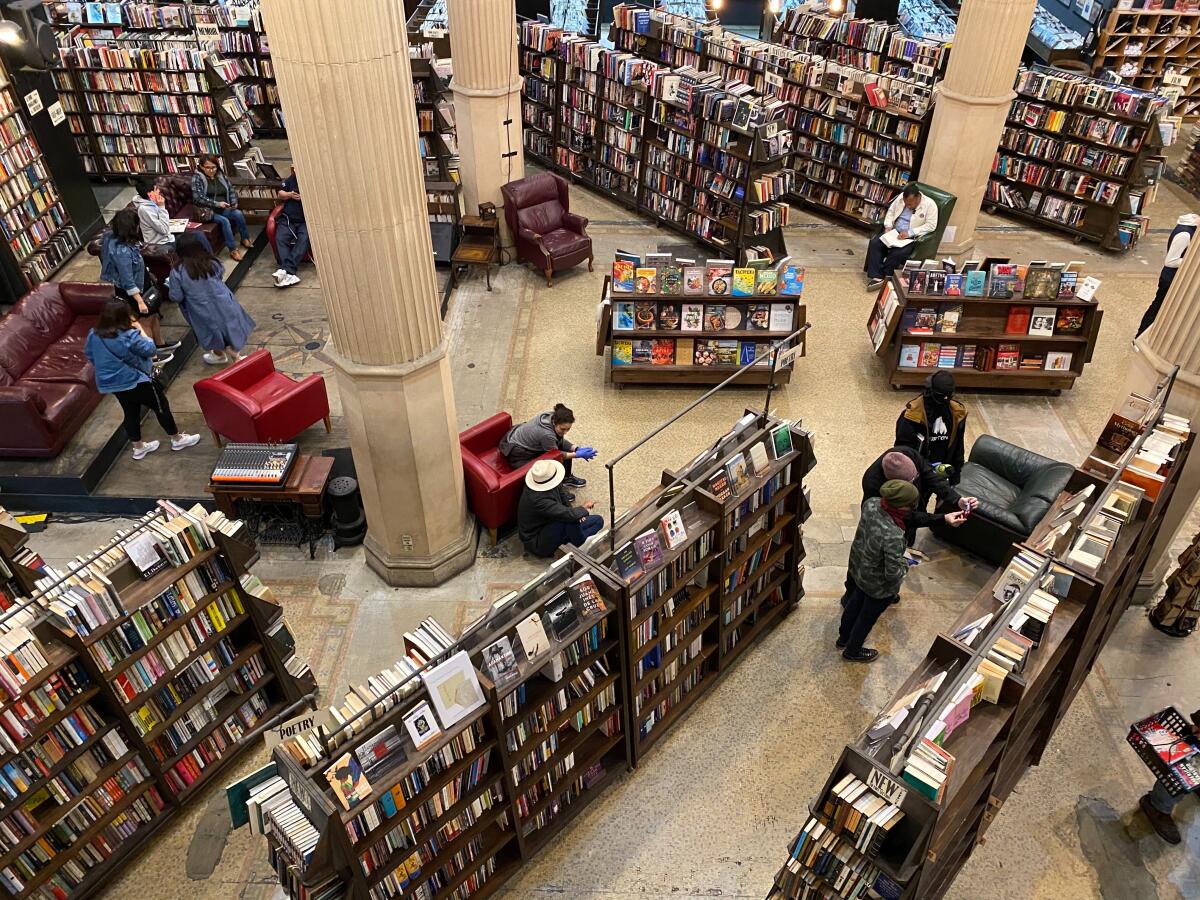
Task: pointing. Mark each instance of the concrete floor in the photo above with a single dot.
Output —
(710, 813)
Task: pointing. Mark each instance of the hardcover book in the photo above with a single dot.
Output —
(781, 440)
(648, 549)
(645, 314)
(929, 355)
(974, 284)
(766, 282)
(586, 596)
(685, 351)
(1041, 283)
(720, 276)
(1070, 320)
(714, 316)
(623, 318)
(954, 285)
(624, 269)
(718, 486)
(728, 352)
(738, 471)
(949, 317)
(783, 315)
(668, 316)
(629, 565)
(1018, 319)
(346, 778)
(673, 532)
(645, 280)
(1008, 356)
(791, 282)
(758, 317)
(691, 317)
(663, 352)
(643, 353)
(733, 318)
(1058, 360)
(694, 282)
(670, 279)
(1041, 321)
(910, 356)
(743, 282)
(622, 353)
(925, 320)
(499, 661)
(706, 353)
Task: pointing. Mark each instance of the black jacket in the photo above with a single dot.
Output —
(948, 446)
(538, 509)
(928, 482)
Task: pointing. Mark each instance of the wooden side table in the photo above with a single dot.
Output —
(479, 245)
(298, 508)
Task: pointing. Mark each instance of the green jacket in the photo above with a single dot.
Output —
(877, 555)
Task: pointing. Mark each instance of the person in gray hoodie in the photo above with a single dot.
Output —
(151, 208)
(545, 432)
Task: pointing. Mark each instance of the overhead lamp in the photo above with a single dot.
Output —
(717, 4)
(837, 7)
(775, 7)
(25, 37)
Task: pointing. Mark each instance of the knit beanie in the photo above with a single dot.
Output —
(901, 494)
(898, 466)
(942, 383)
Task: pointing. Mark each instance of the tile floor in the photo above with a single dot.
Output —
(741, 770)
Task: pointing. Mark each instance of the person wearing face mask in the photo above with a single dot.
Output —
(548, 431)
(906, 464)
(935, 426)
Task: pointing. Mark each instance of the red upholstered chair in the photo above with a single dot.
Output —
(271, 226)
(250, 402)
(493, 486)
(538, 212)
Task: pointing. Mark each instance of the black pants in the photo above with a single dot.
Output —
(861, 613)
(556, 534)
(883, 260)
(148, 394)
(291, 243)
(1165, 277)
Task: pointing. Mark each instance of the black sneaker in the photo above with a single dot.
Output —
(840, 644)
(569, 496)
(572, 481)
(866, 654)
(168, 347)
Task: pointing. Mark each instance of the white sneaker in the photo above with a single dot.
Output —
(214, 359)
(147, 447)
(185, 441)
(277, 274)
(288, 281)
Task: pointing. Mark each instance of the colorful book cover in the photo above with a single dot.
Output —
(758, 317)
(1070, 320)
(949, 317)
(1058, 360)
(791, 284)
(694, 282)
(916, 281)
(925, 321)
(727, 353)
(954, 285)
(1008, 356)
(766, 282)
(706, 353)
(910, 355)
(692, 317)
(714, 316)
(746, 354)
(668, 316)
(1066, 285)
(1041, 283)
(663, 353)
(1018, 319)
(624, 268)
(975, 283)
(623, 316)
(646, 280)
(743, 282)
(622, 353)
(720, 276)
(645, 315)
(670, 280)
(643, 353)
(929, 355)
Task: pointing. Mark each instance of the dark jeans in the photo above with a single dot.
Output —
(291, 243)
(1165, 277)
(556, 534)
(859, 617)
(148, 394)
(883, 260)
(228, 219)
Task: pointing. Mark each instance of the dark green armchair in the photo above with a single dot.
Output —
(927, 247)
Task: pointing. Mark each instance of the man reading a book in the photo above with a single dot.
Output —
(909, 218)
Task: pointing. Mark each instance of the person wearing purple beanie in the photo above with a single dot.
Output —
(907, 464)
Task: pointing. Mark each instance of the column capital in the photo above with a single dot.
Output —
(502, 91)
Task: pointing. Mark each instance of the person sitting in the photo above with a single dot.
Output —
(153, 217)
(935, 425)
(212, 190)
(909, 218)
(545, 518)
(877, 566)
(547, 431)
(291, 233)
(221, 325)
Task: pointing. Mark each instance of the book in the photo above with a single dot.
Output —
(381, 752)
(1119, 434)
(645, 315)
(663, 352)
(629, 564)
(691, 317)
(1067, 282)
(669, 316)
(783, 317)
(948, 318)
(930, 353)
(1069, 320)
(1041, 283)
(974, 283)
(1003, 277)
(954, 285)
(738, 471)
(746, 353)
(720, 276)
(718, 486)
(1018, 319)
(670, 279)
(672, 528)
(694, 282)
(916, 281)
(586, 596)
(766, 282)
(622, 353)
(925, 320)
(685, 351)
(500, 662)
(759, 460)
(728, 352)
(645, 280)
(910, 356)
(422, 725)
(743, 282)
(1058, 360)
(648, 549)
(781, 440)
(758, 317)
(346, 778)
(714, 316)
(1008, 356)
(624, 269)
(532, 634)
(791, 281)
(733, 320)
(643, 353)
(706, 353)
(1087, 288)
(1041, 321)
(623, 316)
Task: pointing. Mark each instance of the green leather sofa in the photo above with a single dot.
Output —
(927, 247)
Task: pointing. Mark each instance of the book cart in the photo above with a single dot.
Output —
(1079, 156)
(103, 747)
(920, 855)
(1142, 45)
(908, 328)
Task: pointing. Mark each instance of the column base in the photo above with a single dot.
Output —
(424, 571)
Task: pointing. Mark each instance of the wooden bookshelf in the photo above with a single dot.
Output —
(1073, 158)
(88, 711)
(1143, 45)
(982, 323)
(16, 579)
(999, 741)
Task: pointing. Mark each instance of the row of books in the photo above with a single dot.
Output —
(663, 275)
(984, 358)
(649, 315)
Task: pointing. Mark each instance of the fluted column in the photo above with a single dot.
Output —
(345, 85)
(487, 94)
(1173, 339)
(972, 104)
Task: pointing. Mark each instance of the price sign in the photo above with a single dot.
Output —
(886, 787)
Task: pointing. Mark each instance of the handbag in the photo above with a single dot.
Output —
(152, 297)
(203, 214)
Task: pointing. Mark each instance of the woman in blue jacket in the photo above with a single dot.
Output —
(122, 266)
(123, 358)
(198, 286)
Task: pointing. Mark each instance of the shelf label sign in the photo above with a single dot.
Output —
(289, 728)
(886, 787)
(57, 116)
(33, 102)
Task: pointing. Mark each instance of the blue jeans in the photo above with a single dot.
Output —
(556, 534)
(291, 243)
(229, 218)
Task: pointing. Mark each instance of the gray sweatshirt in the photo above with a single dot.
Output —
(155, 222)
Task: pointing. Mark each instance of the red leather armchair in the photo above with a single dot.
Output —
(493, 486)
(250, 402)
(538, 212)
(47, 386)
(271, 226)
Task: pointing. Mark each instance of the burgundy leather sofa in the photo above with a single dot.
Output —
(47, 386)
(538, 212)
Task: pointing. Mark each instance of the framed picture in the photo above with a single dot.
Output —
(454, 689)
(422, 725)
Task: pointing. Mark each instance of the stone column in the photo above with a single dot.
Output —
(487, 93)
(346, 88)
(972, 104)
(1174, 338)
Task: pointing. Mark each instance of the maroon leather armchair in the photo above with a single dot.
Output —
(272, 226)
(493, 486)
(47, 385)
(538, 212)
(250, 402)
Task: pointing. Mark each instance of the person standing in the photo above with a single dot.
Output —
(906, 464)
(545, 518)
(877, 566)
(123, 358)
(541, 434)
(1158, 806)
(935, 425)
(212, 190)
(1177, 247)
(291, 233)
(122, 266)
(222, 326)
(909, 218)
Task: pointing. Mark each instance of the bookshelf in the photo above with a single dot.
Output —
(1079, 156)
(17, 572)
(994, 341)
(1142, 46)
(437, 139)
(135, 692)
(244, 37)
(990, 742)
(1187, 172)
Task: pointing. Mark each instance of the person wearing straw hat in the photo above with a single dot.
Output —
(877, 566)
(545, 518)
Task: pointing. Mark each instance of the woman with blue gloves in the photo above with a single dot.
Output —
(548, 431)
